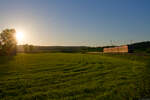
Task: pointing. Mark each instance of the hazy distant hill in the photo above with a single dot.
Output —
(52, 48)
(68, 49)
(141, 47)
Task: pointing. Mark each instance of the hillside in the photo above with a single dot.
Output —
(65, 49)
(141, 47)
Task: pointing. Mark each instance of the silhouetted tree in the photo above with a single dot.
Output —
(25, 47)
(28, 48)
(8, 42)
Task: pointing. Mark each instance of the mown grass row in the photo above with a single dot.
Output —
(73, 76)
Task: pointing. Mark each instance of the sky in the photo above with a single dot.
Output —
(77, 22)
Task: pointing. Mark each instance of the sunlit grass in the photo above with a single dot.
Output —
(72, 76)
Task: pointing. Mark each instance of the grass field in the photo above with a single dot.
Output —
(74, 77)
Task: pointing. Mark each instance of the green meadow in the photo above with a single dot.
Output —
(68, 76)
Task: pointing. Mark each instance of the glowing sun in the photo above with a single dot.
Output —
(19, 36)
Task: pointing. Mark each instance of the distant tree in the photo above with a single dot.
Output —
(8, 42)
(31, 48)
(28, 48)
(25, 47)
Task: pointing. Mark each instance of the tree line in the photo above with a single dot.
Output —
(28, 48)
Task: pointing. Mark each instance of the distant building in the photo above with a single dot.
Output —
(119, 49)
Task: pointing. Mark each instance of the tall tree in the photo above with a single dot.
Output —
(8, 42)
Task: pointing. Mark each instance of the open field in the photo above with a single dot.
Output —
(59, 76)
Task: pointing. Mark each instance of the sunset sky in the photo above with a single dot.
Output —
(77, 22)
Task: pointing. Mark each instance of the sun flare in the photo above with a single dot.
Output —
(19, 37)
